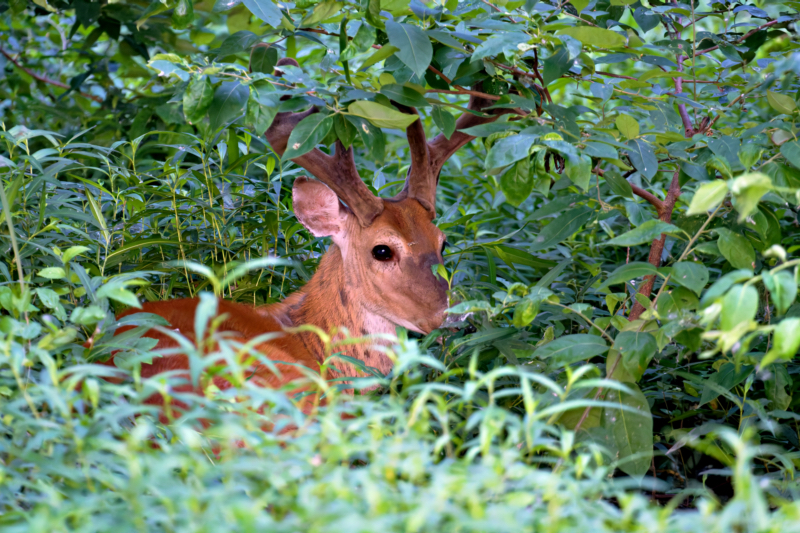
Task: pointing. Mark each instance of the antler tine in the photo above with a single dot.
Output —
(337, 171)
(428, 158)
(420, 180)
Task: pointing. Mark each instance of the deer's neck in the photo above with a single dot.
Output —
(327, 302)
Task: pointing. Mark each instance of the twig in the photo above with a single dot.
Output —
(45, 79)
(638, 191)
(740, 39)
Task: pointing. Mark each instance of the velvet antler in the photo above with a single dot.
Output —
(337, 171)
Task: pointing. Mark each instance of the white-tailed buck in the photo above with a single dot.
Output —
(376, 275)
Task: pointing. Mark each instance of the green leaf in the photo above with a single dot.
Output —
(594, 36)
(53, 273)
(238, 42)
(197, 99)
(736, 249)
(228, 104)
(525, 311)
(627, 126)
(97, 212)
(627, 272)
(386, 51)
(515, 256)
(785, 341)
(579, 171)
(693, 276)
(85, 316)
(647, 232)
(498, 44)
(444, 120)
(724, 379)
(750, 154)
(73, 251)
(791, 151)
(308, 133)
(571, 348)
(747, 190)
(708, 197)
(182, 14)
(345, 130)
(782, 289)
(781, 102)
(261, 107)
(509, 150)
(637, 349)
(721, 164)
(372, 137)
(632, 431)
(380, 115)
(643, 157)
(775, 388)
(266, 11)
(556, 65)
(414, 47)
(561, 228)
(263, 58)
(739, 305)
(618, 184)
(517, 182)
(404, 95)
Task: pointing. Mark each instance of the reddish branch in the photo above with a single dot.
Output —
(740, 39)
(657, 247)
(45, 79)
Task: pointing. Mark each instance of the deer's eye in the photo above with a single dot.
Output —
(445, 244)
(382, 253)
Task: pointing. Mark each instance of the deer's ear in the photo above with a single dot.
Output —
(318, 208)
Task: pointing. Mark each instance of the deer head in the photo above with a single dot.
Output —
(388, 246)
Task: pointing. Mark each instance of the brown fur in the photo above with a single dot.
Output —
(350, 289)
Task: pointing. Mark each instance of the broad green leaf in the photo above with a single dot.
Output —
(380, 115)
(571, 348)
(750, 154)
(579, 171)
(323, 11)
(117, 292)
(238, 42)
(372, 137)
(637, 349)
(627, 272)
(618, 184)
(197, 99)
(747, 191)
(85, 316)
(499, 43)
(782, 289)
(791, 151)
(444, 120)
(632, 431)
(676, 300)
(515, 256)
(693, 276)
(561, 228)
(261, 107)
(556, 65)
(265, 10)
(594, 36)
(708, 197)
(73, 251)
(785, 341)
(645, 233)
(720, 164)
(182, 14)
(345, 130)
(53, 273)
(509, 150)
(781, 102)
(775, 387)
(643, 157)
(404, 95)
(517, 182)
(228, 104)
(308, 133)
(414, 47)
(263, 58)
(724, 379)
(739, 305)
(525, 311)
(736, 249)
(627, 126)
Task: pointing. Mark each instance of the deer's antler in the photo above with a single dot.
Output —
(428, 158)
(337, 171)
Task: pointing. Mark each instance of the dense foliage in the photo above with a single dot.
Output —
(623, 263)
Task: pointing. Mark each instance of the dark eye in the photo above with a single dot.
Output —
(445, 244)
(382, 253)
